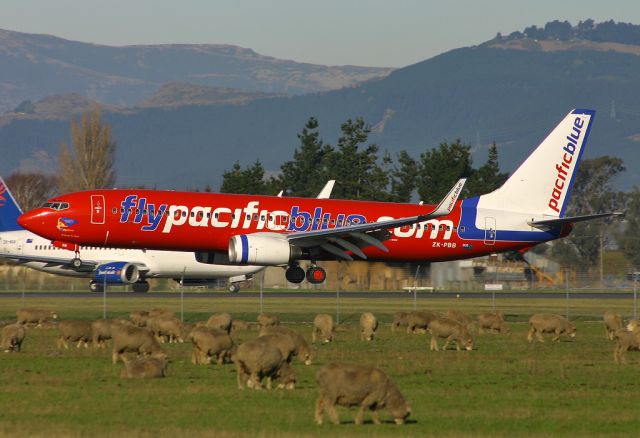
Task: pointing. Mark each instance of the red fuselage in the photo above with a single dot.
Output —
(188, 221)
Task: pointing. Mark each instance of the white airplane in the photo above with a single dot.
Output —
(114, 266)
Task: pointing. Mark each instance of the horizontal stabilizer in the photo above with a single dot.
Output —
(550, 223)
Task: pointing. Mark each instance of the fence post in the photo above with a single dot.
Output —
(104, 297)
(566, 282)
(261, 292)
(182, 294)
(635, 294)
(338, 301)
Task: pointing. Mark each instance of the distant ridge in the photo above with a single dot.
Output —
(35, 66)
(508, 90)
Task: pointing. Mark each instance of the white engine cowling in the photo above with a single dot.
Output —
(261, 249)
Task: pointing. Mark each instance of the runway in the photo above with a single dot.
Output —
(330, 295)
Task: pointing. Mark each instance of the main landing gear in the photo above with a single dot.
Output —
(314, 275)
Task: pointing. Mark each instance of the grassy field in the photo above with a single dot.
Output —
(505, 387)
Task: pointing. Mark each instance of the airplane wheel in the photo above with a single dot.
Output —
(316, 275)
(76, 263)
(95, 287)
(142, 287)
(234, 288)
(294, 274)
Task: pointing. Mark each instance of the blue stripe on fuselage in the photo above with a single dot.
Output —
(468, 217)
(245, 248)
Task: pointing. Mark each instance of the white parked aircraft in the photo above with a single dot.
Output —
(113, 266)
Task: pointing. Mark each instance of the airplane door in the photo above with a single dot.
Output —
(97, 209)
(489, 230)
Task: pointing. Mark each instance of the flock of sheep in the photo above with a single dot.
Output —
(137, 343)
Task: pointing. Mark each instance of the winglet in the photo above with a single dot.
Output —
(448, 202)
(325, 193)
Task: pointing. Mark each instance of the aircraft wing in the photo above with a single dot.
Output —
(64, 262)
(337, 241)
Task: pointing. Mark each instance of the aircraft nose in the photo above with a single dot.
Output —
(34, 221)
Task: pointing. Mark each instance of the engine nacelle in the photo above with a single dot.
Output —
(262, 249)
(117, 273)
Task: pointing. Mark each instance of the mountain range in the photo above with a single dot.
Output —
(511, 90)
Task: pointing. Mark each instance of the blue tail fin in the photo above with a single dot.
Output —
(9, 209)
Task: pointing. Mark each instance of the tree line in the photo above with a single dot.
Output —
(363, 172)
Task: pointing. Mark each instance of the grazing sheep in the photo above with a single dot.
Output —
(612, 323)
(236, 324)
(462, 318)
(400, 319)
(548, 323)
(162, 313)
(31, 315)
(257, 359)
(151, 367)
(12, 337)
(625, 341)
(358, 385)
(368, 326)
(450, 330)
(302, 349)
(282, 342)
(266, 320)
(101, 330)
(494, 322)
(221, 321)
(418, 320)
(139, 317)
(74, 331)
(166, 329)
(322, 328)
(137, 340)
(633, 325)
(208, 342)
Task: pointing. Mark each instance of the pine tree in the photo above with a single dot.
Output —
(440, 168)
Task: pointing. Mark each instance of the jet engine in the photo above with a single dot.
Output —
(117, 273)
(262, 249)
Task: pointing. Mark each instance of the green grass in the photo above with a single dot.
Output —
(505, 387)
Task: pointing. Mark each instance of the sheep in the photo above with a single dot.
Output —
(548, 323)
(12, 337)
(368, 326)
(462, 318)
(302, 350)
(208, 342)
(612, 323)
(399, 319)
(74, 331)
(418, 320)
(151, 367)
(220, 321)
(257, 359)
(30, 315)
(138, 340)
(101, 330)
(358, 385)
(163, 313)
(266, 320)
(236, 324)
(450, 330)
(322, 328)
(625, 341)
(139, 317)
(494, 322)
(166, 329)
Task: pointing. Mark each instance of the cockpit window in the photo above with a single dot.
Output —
(56, 205)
